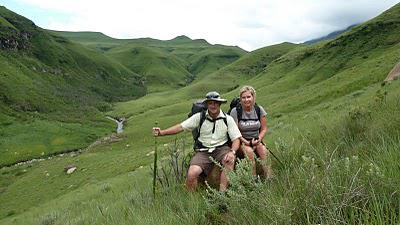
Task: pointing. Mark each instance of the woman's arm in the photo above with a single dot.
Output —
(263, 129)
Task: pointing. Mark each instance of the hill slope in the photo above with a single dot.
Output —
(46, 80)
(325, 72)
(166, 65)
(339, 161)
(330, 36)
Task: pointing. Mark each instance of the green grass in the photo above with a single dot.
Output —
(49, 176)
(49, 87)
(162, 71)
(46, 138)
(326, 179)
(332, 123)
(130, 200)
(5, 24)
(48, 79)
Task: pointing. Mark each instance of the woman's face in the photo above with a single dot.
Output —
(247, 99)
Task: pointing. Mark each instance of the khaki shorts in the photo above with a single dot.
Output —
(203, 160)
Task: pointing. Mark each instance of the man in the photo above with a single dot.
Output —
(216, 133)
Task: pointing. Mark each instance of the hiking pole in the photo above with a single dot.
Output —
(155, 164)
(276, 157)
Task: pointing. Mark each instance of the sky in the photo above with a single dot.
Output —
(249, 24)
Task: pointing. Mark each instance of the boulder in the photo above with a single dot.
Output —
(70, 169)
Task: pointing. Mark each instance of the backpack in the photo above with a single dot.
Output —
(235, 103)
(199, 107)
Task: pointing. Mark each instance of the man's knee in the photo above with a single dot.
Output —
(228, 163)
(194, 172)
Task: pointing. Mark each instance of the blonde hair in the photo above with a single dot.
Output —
(248, 88)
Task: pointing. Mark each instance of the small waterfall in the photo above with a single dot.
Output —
(120, 123)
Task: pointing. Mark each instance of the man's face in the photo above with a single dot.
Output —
(213, 108)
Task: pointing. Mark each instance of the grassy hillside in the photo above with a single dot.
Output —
(333, 124)
(90, 39)
(166, 65)
(53, 88)
(318, 183)
(323, 73)
(48, 80)
(161, 71)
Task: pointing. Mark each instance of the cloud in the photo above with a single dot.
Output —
(251, 24)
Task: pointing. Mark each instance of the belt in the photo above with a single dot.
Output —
(204, 148)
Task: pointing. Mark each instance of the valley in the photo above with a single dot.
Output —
(332, 122)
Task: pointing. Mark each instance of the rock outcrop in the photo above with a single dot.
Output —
(15, 41)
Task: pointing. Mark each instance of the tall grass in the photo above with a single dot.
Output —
(339, 163)
(344, 174)
(174, 167)
(329, 176)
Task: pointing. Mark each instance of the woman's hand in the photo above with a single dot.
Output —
(245, 142)
(255, 142)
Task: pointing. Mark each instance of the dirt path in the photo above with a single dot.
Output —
(394, 73)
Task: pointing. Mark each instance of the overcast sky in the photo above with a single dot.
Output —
(249, 24)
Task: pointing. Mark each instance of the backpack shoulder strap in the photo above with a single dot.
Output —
(239, 111)
(202, 119)
(225, 120)
(258, 111)
(227, 127)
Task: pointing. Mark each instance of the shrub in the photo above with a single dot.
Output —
(104, 106)
(356, 123)
(49, 219)
(106, 187)
(173, 169)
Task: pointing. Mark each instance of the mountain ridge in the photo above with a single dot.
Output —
(318, 99)
(331, 35)
(50, 80)
(47, 81)
(179, 61)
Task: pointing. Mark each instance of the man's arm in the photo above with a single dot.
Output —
(235, 145)
(169, 131)
(230, 157)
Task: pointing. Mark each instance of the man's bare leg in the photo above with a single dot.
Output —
(192, 177)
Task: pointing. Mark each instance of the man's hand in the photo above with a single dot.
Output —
(229, 157)
(156, 131)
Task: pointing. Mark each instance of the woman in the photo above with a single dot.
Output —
(252, 123)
